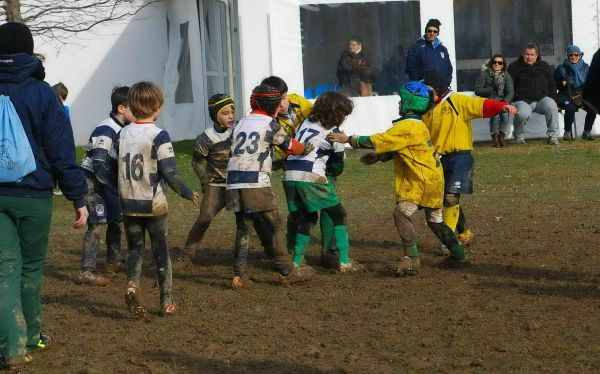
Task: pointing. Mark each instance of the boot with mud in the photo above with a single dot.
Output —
(501, 137)
(330, 259)
(299, 274)
(409, 265)
(15, 364)
(133, 299)
(467, 238)
(239, 282)
(168, 309)
(351, 267)
(114, 268)
(92, 277)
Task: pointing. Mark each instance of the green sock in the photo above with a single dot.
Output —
(299, 247)
(340, 235)
(458, 253)
(326, 232)
(412, 251)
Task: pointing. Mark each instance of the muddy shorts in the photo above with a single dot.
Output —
(251, 200)
(458, 172)
(309, 197)
(102, 204)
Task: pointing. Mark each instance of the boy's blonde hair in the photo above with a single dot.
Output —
(145, 99)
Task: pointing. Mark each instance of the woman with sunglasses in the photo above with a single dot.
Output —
(428, 53)
(495, 83)
(570, 77)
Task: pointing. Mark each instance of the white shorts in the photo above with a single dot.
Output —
(431, 214)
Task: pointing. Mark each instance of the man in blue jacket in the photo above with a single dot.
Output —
(428, 53)
(26, 206)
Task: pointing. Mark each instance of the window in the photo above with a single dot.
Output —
(387, 30)
(485, 27)
(183, 92)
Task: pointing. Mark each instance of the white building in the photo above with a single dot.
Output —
(196, 48)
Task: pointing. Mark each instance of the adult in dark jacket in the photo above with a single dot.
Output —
(26, 207)
(534, 93)
(591, 87)
(354, 70)
(495, 83)
(428, 53)
(570, 77)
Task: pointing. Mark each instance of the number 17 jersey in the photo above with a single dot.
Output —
(253, 138)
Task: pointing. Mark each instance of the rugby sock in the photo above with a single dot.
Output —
(299, 248)
(451, 216)
(326, 232)
(458, 253)
(340, 235)
(412, 251)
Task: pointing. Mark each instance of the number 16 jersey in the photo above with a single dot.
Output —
(253, 138)
(145, 152)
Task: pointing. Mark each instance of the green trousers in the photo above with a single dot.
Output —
(24, 228)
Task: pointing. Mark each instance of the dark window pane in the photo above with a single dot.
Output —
(467, 78)
(183, 92)
(472, 29)
(388, 29)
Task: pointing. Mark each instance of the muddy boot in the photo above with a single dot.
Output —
(351, 267)
(298, 274)
(495, 140)
(409, 265)
(92, 277)
(239, 282)
(467, 238)
(406, 266)
(133, 299)
(113, 268)
(501, 137)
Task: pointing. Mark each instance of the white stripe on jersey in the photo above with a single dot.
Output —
(311, 167)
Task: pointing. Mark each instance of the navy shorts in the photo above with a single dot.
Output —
(103, 204)
(458, 172)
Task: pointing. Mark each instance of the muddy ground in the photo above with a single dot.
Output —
(529, 300)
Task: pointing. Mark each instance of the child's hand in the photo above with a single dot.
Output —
(510, 110)
(196, 199)
(369, 158)
(337, 137)
(81, 216)
(308, 147)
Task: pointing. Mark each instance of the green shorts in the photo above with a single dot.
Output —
(309, 197)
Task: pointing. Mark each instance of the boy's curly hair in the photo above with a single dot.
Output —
(331, 109)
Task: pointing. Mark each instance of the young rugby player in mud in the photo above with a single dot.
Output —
(214, 147)
(249, 190)
(307, 186)
(419, 175)
(449, 124)
(146, 161)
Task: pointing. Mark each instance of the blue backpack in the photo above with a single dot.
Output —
(16, 157)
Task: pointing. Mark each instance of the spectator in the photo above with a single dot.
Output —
(534, 92)
(495, 83)
(570, 77)
(26, 206)
(62, 92)
(591, 87)
(428, 53)
(354, 70)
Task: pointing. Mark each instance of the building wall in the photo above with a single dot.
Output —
(93, 63)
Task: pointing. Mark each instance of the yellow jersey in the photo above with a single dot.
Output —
(449, 123)
(298, 111)
(418, 171)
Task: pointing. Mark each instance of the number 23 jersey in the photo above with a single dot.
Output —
(145, 151)
(253, 138)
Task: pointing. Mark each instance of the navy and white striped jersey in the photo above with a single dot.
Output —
(145, 154)
(252, 144)
(215, 147)
(100, 157)
(312, 167)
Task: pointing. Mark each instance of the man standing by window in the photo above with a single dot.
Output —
(428, 53)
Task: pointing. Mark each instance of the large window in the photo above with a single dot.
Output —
(387, 30)
(485, 27)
